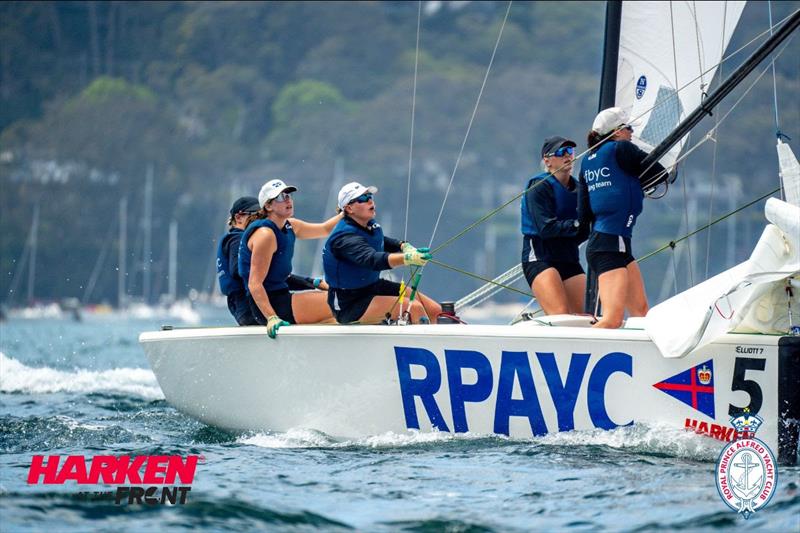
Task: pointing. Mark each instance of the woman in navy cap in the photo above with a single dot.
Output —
(265, 261)
(230, 282)
(611, 198)
(551, 232)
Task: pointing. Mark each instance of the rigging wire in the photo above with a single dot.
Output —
(683, 182)
(775, 92)
(721, 120)
(714, 153)
(471, 120)
(463, 144)
(579, 156)
(411, 150)
(701, 228)
(413, 114)
(671, 244)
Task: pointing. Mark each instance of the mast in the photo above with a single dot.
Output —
(147, 223)
(608, 81)
(717, 95)
(34, 239)
(608, 95)
(123, 245)
(173, 260)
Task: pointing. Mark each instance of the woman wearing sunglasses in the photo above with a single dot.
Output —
(610, 197)
(265, 261)
(551, 232)
(353, 257)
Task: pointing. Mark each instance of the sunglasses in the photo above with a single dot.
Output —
(629, 128)
(366, 197)
(561, 152)
(282, 197)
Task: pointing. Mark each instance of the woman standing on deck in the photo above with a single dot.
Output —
(611, 197)
(265, 261)
(551, 232)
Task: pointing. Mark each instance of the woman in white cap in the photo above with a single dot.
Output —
(265, 261)
(355, 254)
(552, 233)
(610, 197)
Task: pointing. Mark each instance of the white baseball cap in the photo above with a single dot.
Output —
(272, 189)
(353, 190)
(611, 119)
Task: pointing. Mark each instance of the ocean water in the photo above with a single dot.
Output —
(70, 388)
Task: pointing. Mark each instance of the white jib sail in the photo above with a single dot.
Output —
(669, 49)
(751, 297)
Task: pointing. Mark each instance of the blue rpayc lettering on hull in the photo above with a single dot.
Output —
(424, 388)
(564, 395)
(609, 364)
(514, 367)
(460, 393)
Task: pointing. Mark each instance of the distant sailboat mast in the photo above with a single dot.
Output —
(173, 261)
(147, 224)
(34, 244)
(123, 246)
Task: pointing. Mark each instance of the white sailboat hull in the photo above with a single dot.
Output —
(354, 381)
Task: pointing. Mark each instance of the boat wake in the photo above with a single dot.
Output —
(17, 377)
(645, 439)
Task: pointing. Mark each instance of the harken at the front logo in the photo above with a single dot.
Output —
(746, 470)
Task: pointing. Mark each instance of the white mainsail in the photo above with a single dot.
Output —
(668, 49)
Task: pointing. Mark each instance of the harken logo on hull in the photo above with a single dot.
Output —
(694, 387)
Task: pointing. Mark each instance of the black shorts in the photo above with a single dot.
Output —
(600, 262)
(349, 305)
(281, 302)
(239, 306)
(605, 252)
(566, 269)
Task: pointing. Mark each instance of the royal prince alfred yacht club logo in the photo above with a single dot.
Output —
(746, 470)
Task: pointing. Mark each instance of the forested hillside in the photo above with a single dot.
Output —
(217, 97)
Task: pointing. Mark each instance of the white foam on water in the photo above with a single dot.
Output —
(17, 377)
(641, 438)
(650, 437)
(294, 438)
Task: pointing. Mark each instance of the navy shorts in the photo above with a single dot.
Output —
(239, 306)
(566, 269)
(281, 302)
(601, 262)
(349, 305)
(605, 252)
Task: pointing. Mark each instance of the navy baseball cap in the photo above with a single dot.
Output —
(245, 204)
(551, 144)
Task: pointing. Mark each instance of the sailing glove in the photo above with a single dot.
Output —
(406, 247)
(417, 257)
(273, 323)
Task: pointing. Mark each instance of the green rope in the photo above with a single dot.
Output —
(476, 276)
(672, 244)
(487, 216)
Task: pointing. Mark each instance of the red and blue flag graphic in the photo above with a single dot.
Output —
(694, 387)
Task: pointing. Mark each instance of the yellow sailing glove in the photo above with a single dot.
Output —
(417, 257)
(406, 247)
(273, 323)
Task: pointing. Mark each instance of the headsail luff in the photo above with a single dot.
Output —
(750, 297)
